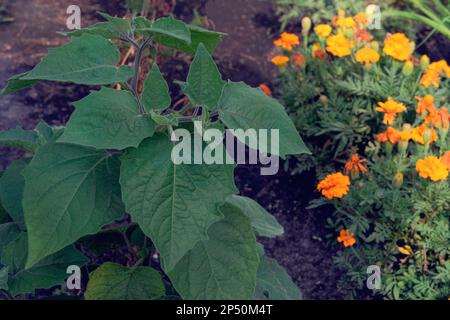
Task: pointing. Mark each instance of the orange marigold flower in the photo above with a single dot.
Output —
(390, 135)
(432, 168)
(334, 185)
(444, 118)
(398, 46)
(362, 19)
(440, 66)
(265, 89)
(323, 30)
(318, 53)
(430, 78)
(445, 159)
(346, 238)
(339, 45)
(390, 108)
(298, 59)
(280, 61)
(426, 104)
(367, 55)
(354, 165)
(287, 41)
(363, 36)
(419, 133)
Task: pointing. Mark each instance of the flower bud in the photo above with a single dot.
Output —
(427, 135)
(412, 47)
(306, 25)
(323, 100)
(408, 68)
(424, 62)
(397, 181)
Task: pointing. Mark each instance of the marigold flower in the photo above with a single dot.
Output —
(363, 36)
(397, 46)
(445, 159)
(390, 108)
(345, 22)
(432, 168)
(280, 61)
(346, 238)
(265, 89)
(318, 53)
(390, 135)
(323, 30)
(339, 45)
(440, 66)
(426, 104)
(298, 59)
(362, 19)
(354, 165)
(418, 134)
(367, 55)
(444, 118)
(430, 78)
(287, 41)
(334, 185)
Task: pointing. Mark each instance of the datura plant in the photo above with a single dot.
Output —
(110, 171)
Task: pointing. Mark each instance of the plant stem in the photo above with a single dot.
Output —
(137, 67)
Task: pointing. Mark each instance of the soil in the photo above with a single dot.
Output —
(243, 55)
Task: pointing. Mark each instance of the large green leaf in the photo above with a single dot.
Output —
(244, 107)
(8, 232)
(11, 191)
(115, 282)
(167, 31)
(210, 39)
(88, 59)
(156, 91)
(108, 119)
(15, 83)
(274, 283)
(204, 83)
(263, 222)
(104, 29)
(70, 191)
(19, 138)
(223, 267)
(122, 26)
(173, 204)
(49, 272)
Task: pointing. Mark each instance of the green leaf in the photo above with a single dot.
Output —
(49, 272)
(11, 191)
(19, 138)
(8, 232)
(88, 59)
(274, 283)
(204, 83)
(167, 31)
(4, 278)
(108, 119)
(70, 191)
(122, 26)
(115, 282)
(210, 39)
(263, 222)
(4, 217)
(244, 107)
(156, 91)
(46, 133)
(104, 29)
(223, 267)
(16, 83)
(164, 120)
(173, 204)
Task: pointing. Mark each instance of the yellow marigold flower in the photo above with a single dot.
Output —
(432, 168)
(346, 238)
(265, 89)
(345, 22)
(418, 134)
(367, 55)
(334, 185)
(355, 165)
(287, 41)
(322, 30)
(445, 159)
(280, 61)
(390, 108)
(390, 135)
(426, 103)
(397, 46)
(339, 45)
(440, 66)
(405, 135)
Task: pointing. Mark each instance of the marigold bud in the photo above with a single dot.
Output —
(424, 62)
(427, 135)
(398, 180)
(408, 68)
(306, 25)
(323, 100)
